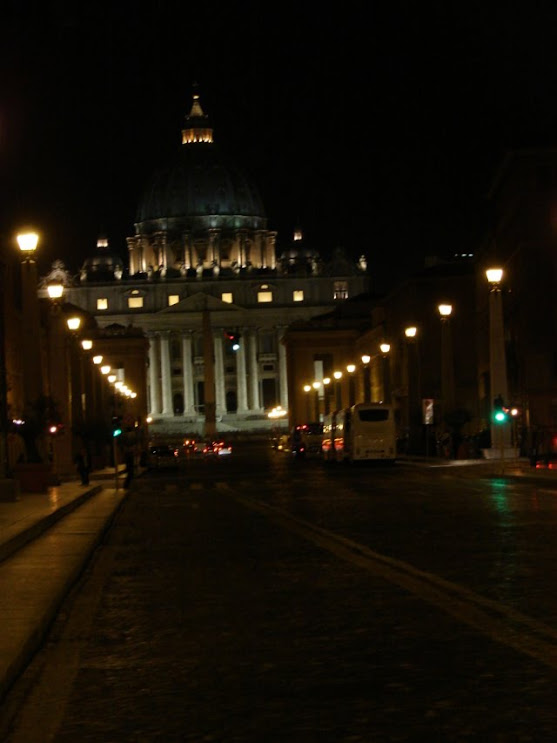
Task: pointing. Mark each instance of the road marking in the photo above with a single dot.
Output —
(500, 622)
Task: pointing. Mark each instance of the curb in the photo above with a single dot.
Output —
(35, 529)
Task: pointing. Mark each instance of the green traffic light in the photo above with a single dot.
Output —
(116, 432)
(500, 417)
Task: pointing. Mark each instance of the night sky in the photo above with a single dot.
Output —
(376, 127)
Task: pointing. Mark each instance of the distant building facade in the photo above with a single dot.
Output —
(203, 267)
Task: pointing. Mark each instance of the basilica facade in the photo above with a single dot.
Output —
(206, 285)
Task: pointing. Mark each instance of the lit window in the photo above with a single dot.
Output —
(340, 290)
(298, 295)
(173, 299)
(265, 296)
(102, 303)
(135, 303)
(226, 297)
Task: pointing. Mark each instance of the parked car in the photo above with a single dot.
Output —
(282, 442)
(306, 438)
(189, 446)
(219, 448)
(222, 448)
(162, 455)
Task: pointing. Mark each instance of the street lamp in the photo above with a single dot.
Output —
(447, 371)
(55, 292)
(307, 390)
(28, 242)
(74, 323)
(32, 370)
(497, 356)
(385, 349)
(366, 359)
(351, 368)
(413, 383)
(326, 383)
(338, 391)
(316, 386)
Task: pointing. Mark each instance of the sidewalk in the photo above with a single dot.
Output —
(509, 468)
(37, 574)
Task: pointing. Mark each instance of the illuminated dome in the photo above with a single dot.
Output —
(201, 213)
(202, 185)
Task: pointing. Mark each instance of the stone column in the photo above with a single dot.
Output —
(241, 377)
(283, 385)
(214, 247)
(187, 375)
(209, 376)
(154, 375)
(220, 393)
(186, 237)
(166, 372)
(253, 371)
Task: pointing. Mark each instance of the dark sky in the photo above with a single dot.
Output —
(376, 126)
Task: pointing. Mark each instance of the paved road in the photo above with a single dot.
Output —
(303, 603)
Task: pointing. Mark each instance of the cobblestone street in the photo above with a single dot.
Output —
(213, 622)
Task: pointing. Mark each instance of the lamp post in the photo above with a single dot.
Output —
(385, 349)
(326, 399)
(59, 375)
(316, 386)
(351, 368)
(9, 488)
(338, 390)
(413, 384)
(307, 390)
(497, 359)
(366, 359)
(73, 323)
(32, 368)
(447, 372)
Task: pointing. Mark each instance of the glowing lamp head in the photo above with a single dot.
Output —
(74, 323)
(445, 310)
(337, 375)
(27, 242)
(494, 275)
(410, 332)
(55, 290)
(97, 359)
(86, 344)
(385, 347)
(366, 358)
(351, 368)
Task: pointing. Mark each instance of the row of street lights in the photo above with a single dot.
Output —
(63, 375)
(497, 365)
(320, 387)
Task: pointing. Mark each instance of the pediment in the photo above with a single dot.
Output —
(199, 302)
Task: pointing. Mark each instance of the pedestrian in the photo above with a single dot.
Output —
(82, 466)
(129, 457)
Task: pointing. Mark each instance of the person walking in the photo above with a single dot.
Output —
(82, 466)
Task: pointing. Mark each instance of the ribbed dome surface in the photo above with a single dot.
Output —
(201, 182)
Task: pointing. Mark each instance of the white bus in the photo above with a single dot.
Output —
(363, 432)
